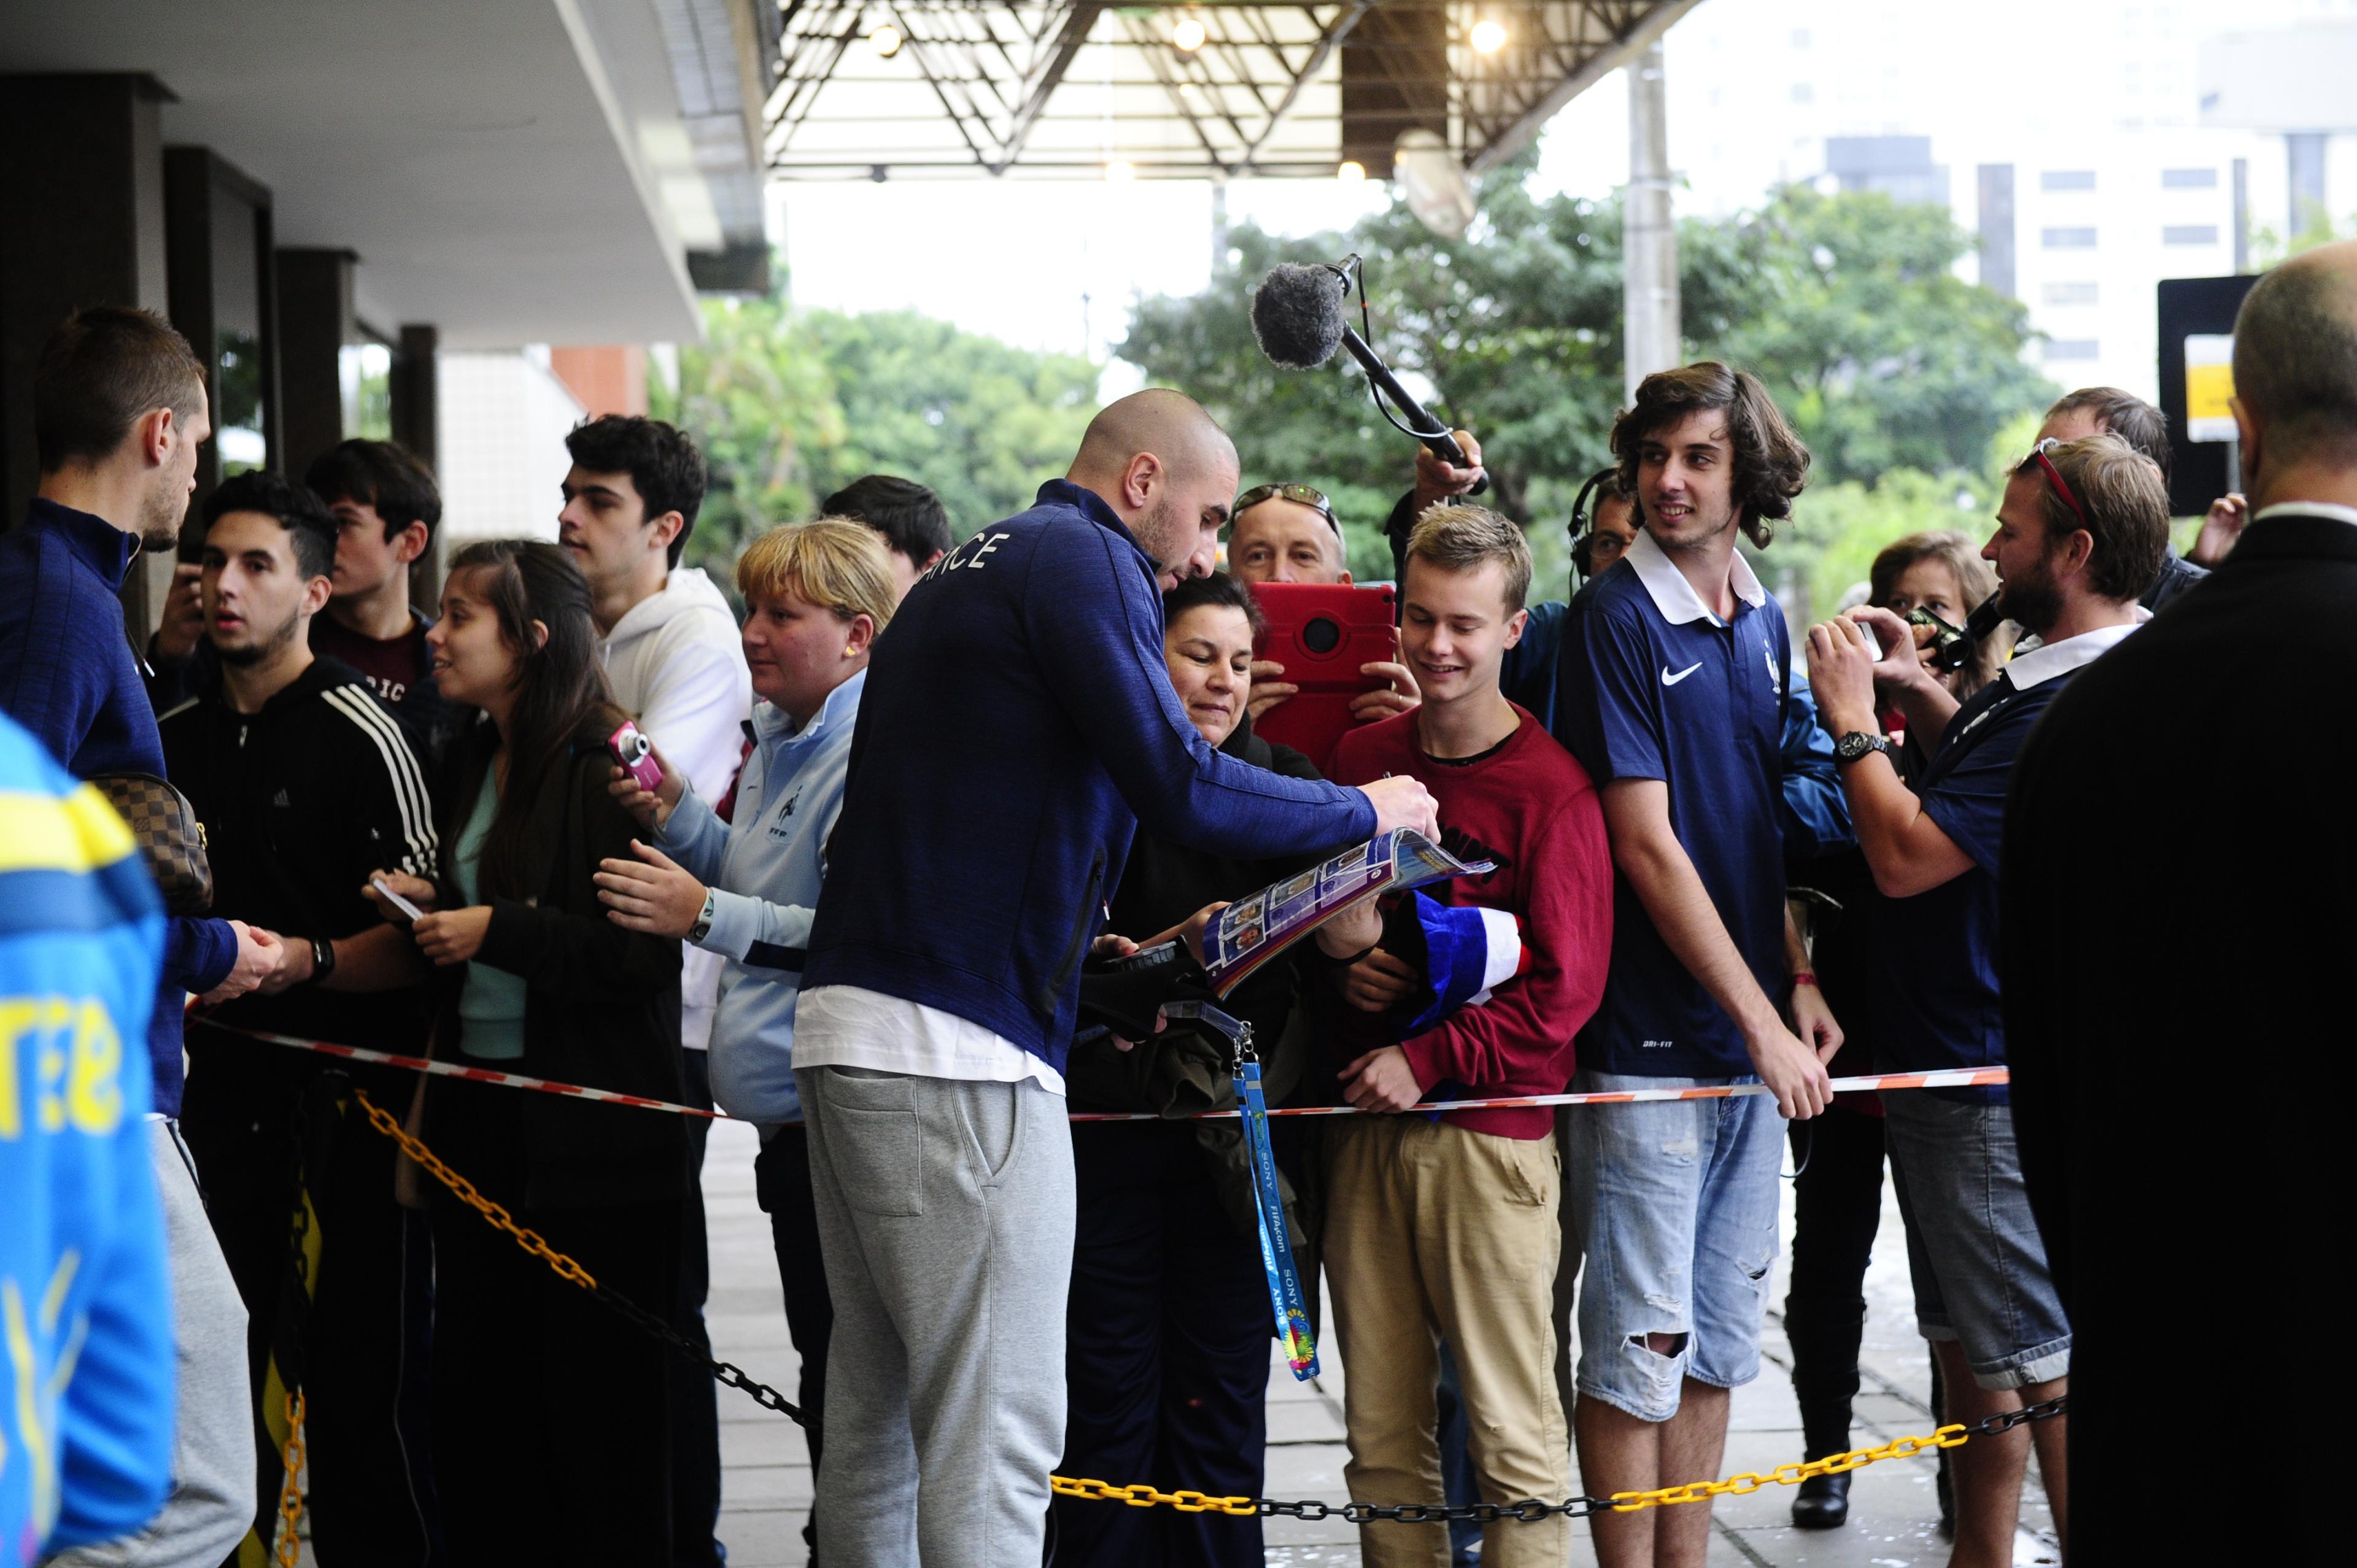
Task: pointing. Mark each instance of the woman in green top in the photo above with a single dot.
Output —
(551, 1427)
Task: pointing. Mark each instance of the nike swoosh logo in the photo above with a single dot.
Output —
(1670, 680)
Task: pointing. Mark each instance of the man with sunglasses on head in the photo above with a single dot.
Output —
(2108, 411)
(2079, 535)
(1287, 533)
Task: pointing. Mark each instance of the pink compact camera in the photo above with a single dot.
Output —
(636, 754)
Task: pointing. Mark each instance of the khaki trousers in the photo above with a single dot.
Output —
(1434, 1231)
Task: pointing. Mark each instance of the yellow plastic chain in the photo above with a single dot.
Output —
(1786, 1474)
(464, 1190)
(1139, 1496)
(290, 1494)
(1145, 1496)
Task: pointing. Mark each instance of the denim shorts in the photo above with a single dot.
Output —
(1978, 1262)
(1674, 1206)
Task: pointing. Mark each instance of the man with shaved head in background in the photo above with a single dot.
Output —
(1018, 725)
(2141, 981)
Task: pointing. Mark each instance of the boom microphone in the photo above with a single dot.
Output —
(1297, 318)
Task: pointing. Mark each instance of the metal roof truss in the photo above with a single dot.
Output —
(1073, 89)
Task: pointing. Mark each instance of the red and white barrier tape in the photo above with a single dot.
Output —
(1955, 1079)
(452, 1069)
(1959, 1077)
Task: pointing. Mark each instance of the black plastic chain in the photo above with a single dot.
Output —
(732, 1375)
(1530, 1512)
(2006, 1420)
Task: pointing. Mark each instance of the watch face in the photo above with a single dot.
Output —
(1856, 744)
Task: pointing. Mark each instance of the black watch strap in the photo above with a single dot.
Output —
(323, 958)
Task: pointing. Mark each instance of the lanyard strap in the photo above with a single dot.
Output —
(1285, 1299)
(1285, 1296)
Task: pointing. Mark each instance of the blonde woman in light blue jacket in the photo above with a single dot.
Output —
(816, 596)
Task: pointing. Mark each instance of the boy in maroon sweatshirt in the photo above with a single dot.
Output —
(1447, 1227)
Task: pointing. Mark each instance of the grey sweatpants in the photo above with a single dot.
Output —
(946, 1213)
(211, 1506)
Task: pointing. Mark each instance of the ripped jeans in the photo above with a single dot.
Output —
(1675, 1203)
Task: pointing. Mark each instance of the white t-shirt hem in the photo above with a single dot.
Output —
(847, 1025)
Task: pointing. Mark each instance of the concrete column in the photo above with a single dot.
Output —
(82, 222)
(414, 387)
(2241, 215)
(1996, 227)
(2303, 163)
(218, 223)
(415, 390)
(315, 322)
(1649, 241)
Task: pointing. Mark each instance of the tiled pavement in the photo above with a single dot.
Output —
(767, 1484)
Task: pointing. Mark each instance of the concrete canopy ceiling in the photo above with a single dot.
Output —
(476, 155)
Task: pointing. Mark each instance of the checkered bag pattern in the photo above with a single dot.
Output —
(171, 840)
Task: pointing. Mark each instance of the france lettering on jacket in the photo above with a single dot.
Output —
(970, 554)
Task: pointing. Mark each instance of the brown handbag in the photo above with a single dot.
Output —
(171, 841)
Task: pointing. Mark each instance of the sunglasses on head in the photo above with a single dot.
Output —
(2037, 456)
(1303, 494)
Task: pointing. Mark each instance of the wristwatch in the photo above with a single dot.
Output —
(1858, 743)
(702, 926)
(323, 958)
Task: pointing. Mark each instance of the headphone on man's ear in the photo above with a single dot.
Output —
(1583, 517)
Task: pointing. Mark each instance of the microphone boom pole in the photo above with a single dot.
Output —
(1436, 437)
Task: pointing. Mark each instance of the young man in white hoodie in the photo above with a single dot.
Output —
(672, 655)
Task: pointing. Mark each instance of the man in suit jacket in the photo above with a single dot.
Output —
(2148, 973)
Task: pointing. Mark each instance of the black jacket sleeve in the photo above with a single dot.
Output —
(566, 943)
(1396, 528)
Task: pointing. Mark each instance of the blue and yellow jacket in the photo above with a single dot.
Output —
(85, 1315)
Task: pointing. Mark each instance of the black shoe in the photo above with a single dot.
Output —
(1823, 1503)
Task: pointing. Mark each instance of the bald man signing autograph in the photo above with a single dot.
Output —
(1017, 727)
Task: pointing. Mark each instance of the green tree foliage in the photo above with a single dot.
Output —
(789, 404)
(1832, 541)
(1883, 358)
(2270, 245)
(982, 422)
(759, 398)
(1518, 323)
(1846, 306)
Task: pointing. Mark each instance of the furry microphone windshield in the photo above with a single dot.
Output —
(1297, 315)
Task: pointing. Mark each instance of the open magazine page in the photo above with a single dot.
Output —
(1251, 932)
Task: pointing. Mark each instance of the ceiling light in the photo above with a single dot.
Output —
(1188, 34)
(886, 42)
(1351, 171)
(1120, 171)
(1489, 35)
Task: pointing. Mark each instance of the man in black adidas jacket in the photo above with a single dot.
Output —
(305, 784)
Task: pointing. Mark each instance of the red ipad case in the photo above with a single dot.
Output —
(1321, 635)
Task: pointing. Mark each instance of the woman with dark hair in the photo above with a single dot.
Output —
(1942, 571)
(1168, 1354)
(551, 1425)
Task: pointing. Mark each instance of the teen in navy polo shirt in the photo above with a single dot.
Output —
(2080, 532)
(1676, 677)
